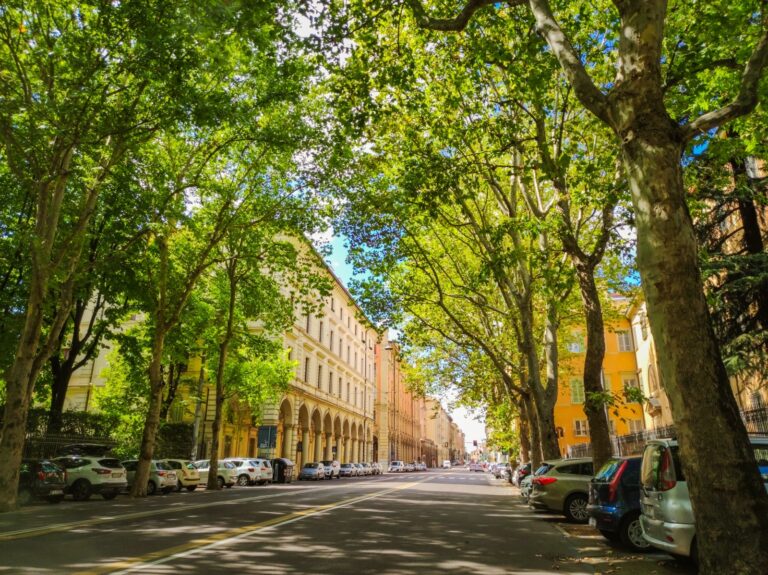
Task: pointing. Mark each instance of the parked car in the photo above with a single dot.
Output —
(250, 471)
(226, 475)
(396, 467)
(520, 473)
(360, 469)
(88, 475)
(409, 467)
(446, 464)
(564, 488)
(367, 468)
(377, 469)
(332, 469)
(312, 470)
(667, 517)
(265, 468)
(347, 470)
(40, 479)
(187, 475)
(527, 482)
(420, 466)
(162, 477)
(474, 466)
(614, 502)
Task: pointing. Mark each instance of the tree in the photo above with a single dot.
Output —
(81, 84)
(635, 105)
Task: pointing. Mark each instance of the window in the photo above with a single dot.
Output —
(341, 345)
(330, 381)
(320, 333)
(355, 329)
(348, 354)
(339, 388)
(577, 391)
(580, 427)
(644, 326)
(611, 427)
(629, 382)
(575, 347)
(333, 304)
(605, 381)
(347, 392)
(319, 376)
(356, 366)
(309, 322)
(636, 425)
(306, 370)
(625, 340)
(356, 396)
(330, 341)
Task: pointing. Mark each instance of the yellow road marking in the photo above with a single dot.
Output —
(37, 531)
(211, 540)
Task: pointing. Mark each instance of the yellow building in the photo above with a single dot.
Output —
(619, 372)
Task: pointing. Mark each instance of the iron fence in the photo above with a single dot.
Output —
(755, 420)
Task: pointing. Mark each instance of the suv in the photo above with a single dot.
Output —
(564, 488)
(162, 477)
(247, 472)
(667, 517)
(88, 475)
(332, 469)
(396, 467)
(614, 502)
(226, 476)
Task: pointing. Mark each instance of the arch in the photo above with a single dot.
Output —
(345, 428)
(353, 431)
(327, 423)
(303, 420)
(360, 431)
(317, 420)
(337, 426)
(286, 411)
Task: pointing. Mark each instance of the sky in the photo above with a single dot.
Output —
(474, 430)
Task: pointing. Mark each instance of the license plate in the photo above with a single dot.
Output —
(592, 522)
(55, 492)
(116, 475)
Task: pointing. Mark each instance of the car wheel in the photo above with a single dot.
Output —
(109, 495)
(243, 481)
(81, 490)
(229, 485)
(151, 487)
(220, 482)
(24, 497)
(167, 490)
(55, 498)
(191, 488)
(576, 508)
(631, 533)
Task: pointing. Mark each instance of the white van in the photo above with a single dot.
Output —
(446, 464)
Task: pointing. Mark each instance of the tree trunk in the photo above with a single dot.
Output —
(594, 404)
(732, 506)
(61, 373)
(222, 363)
(152, 422)
(550, 447)
(532, 432)
(198, 407)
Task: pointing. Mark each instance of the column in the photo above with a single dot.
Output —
(346, 450)
(288, 440)
(318, 446)
(328, 446)
(304, 446)
(340, 449)
(363, 451)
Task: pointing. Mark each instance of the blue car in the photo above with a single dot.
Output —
(614, 502)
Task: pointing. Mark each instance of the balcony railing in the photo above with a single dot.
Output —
(755, 420)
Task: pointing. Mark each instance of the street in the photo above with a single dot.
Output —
(441, 521)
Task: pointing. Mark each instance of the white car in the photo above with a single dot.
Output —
(446, 464)
(187, 475)
(396, 467)
(87, 475)
(227, 475)
(162, 477)
(247, 472)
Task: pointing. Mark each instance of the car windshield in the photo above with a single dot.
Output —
(163, 466)
(608, 470)
(310, 465)
(761, 456)
(346, 465)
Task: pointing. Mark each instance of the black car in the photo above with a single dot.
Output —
(40, 479)
(614, 502)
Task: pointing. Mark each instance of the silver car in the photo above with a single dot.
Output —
(162, 477)
(667, 517)
(564, 488)
(313, 470)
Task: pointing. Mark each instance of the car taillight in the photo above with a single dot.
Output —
(102, 471)
(613, 486)
(544, 480)
(251, 470)
(667, 478)
(161, 473)
(41, 475)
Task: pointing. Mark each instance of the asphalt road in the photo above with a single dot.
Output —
(448, 521)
